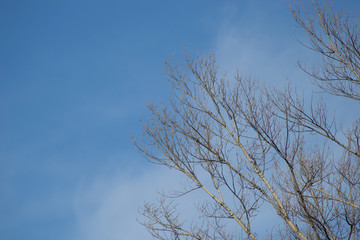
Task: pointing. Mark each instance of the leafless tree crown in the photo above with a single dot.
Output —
(251, 148)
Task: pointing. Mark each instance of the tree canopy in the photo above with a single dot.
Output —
(250, 147)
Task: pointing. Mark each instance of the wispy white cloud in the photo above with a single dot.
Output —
(252, 54)
(107, 208)
(262, 44)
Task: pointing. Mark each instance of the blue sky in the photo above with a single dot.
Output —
(75, 78)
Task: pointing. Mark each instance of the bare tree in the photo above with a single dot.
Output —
(250, 148)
